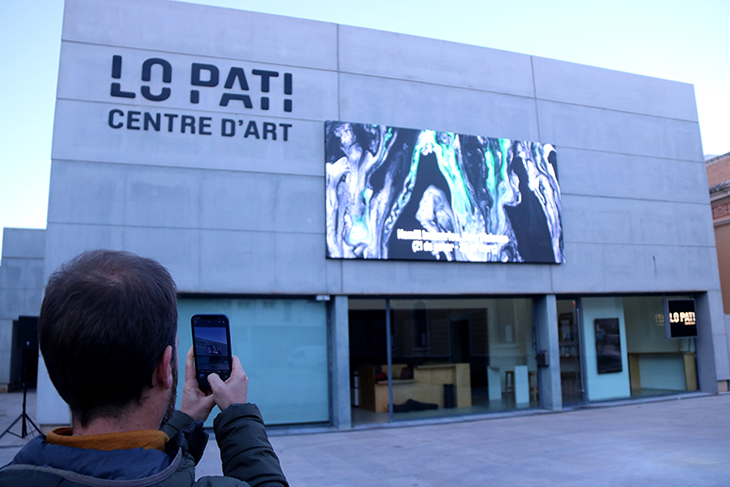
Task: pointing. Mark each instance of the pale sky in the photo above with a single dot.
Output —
(687, 40)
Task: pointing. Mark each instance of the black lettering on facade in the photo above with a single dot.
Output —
(117, 66)
(265, 85)
(207, 75)
(151, 121)
(288, 83)
(252, 129)
(232, 96)
(228, 127)
(187, 121)
(155, 122)
(203, 125)
(265, 77)
(236, 74)
(147, 76)
(170, 119)
(196, 75)
(132, 119)
(112, 123)
(288, 89)
(285, 126)
(270, 128)
(117, 74)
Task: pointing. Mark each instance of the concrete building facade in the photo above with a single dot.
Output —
(196, 136)
(21, 291)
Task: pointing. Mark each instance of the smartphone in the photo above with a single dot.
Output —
(212, 347)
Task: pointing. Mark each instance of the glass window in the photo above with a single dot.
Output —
(282, 344)
(449, 356)
(646, 362)
(657, 364)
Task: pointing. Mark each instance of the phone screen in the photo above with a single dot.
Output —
(212, 346)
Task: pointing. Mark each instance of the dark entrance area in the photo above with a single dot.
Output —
(448, 356)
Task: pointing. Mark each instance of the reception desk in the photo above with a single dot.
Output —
(427, 386)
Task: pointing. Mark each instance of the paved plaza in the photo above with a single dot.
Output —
(678, 442)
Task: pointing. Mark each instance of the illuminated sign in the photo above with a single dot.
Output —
(396, 193)
(680, 318)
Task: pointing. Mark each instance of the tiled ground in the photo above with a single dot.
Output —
(669, 443)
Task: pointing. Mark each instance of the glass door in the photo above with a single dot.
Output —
(571, 376)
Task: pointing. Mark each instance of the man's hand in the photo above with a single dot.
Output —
(232, 391)
(195, 403)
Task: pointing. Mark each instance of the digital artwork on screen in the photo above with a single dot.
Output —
(407, 194)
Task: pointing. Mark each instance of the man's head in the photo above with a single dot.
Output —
(105, 322)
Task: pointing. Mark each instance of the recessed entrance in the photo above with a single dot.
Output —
(443, 357)
(569, 339)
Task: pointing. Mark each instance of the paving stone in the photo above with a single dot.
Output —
(665, 443)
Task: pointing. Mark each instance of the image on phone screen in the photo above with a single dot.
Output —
(212, 346)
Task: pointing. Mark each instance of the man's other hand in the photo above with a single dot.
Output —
(195, 403)
(232, 391)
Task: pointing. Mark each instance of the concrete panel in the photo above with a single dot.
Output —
(546, 326)
(212, 260)
(162, 197)
(615, 90)
(21, 274)
(717, 316)
(86, 193)
(6, 344)
(390, 55)
(26, 243)
(580, 127)
(54, 411)
(17, 302)
(201, 30)
(597, 173)
(393, 277)
(6, 336)
(117, 194)
(262, 202)
(33, 300)
(339, 353)
(256, 262)
(65, 241)
(85, 74)
(176, 249)
(424, 106)
(722, 360)
(711, 355)
(604, 268)
(301, 153)
(9, 301)
(624, 221)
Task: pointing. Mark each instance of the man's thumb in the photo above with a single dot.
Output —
(215, 381)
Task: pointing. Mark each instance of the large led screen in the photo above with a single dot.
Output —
(395, 193)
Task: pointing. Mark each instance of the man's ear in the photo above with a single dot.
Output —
(163, 371)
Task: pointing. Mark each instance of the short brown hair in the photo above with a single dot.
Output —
(106, 319)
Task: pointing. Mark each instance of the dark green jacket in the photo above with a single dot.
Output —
(248, 458)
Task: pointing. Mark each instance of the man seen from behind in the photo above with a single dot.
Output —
(108, 334)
